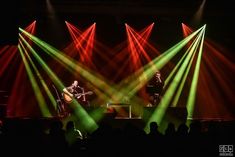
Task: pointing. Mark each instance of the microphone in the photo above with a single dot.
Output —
(79, 87)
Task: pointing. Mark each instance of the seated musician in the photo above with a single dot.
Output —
(73, 89)
(77, 92)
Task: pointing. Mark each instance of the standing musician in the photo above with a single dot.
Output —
(155, 87)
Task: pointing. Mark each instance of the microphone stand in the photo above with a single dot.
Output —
(83, 94)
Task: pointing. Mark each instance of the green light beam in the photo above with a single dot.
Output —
(156, 64)
(48, 92)
(88, 123)
(180, 89)
(51, 74)
(99, 83)
(163, 105)
(179, 63)
(42, 104)
(193, 88)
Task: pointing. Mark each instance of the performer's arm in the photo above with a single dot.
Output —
(67, 92)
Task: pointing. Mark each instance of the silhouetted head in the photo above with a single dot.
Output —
(182, 129)
(153, 126)
(70, 125)
(170, 128)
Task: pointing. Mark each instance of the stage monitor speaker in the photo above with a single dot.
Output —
(121, 110)
(172, 113)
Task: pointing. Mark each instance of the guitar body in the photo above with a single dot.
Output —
(67, 98)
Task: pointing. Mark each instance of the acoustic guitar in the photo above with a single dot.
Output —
(69, 99)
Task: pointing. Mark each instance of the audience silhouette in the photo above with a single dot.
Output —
(44, 138)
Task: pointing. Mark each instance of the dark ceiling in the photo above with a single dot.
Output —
(125, 6)
(217, 14)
